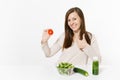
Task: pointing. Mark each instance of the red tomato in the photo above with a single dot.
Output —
(50, 31)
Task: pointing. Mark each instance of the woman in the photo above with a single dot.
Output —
(76, 43)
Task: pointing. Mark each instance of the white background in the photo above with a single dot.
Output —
(21, 26)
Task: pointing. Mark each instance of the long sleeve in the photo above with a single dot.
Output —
(93, 49)
(50, 51)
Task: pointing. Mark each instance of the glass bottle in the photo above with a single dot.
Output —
(95, 66)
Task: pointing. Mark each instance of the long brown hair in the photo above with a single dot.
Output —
(68, 31)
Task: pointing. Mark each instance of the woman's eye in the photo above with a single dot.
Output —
(68, 20)
(74, 18)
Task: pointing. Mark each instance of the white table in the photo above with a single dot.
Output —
(49, 72)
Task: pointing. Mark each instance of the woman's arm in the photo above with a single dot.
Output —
(93, 49)
(50, 51)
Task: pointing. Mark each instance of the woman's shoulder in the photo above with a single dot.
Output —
(60, 39)
(92, 37)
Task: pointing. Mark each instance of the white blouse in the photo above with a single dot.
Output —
(73, 54)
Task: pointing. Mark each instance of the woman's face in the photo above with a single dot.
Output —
(74, 21)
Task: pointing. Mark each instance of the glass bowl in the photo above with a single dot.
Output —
(65, 71)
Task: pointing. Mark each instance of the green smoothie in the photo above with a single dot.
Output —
(95, 66)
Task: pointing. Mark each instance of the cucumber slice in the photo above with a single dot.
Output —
(81, 71)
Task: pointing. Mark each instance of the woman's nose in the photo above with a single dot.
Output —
(71, 23)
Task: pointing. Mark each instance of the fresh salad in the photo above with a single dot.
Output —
(65, 68)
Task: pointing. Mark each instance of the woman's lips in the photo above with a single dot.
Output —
(73, 26)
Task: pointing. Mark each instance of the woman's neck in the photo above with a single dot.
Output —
(76, 34)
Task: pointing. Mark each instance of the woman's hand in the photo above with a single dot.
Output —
(45, 36)
(82, 43)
